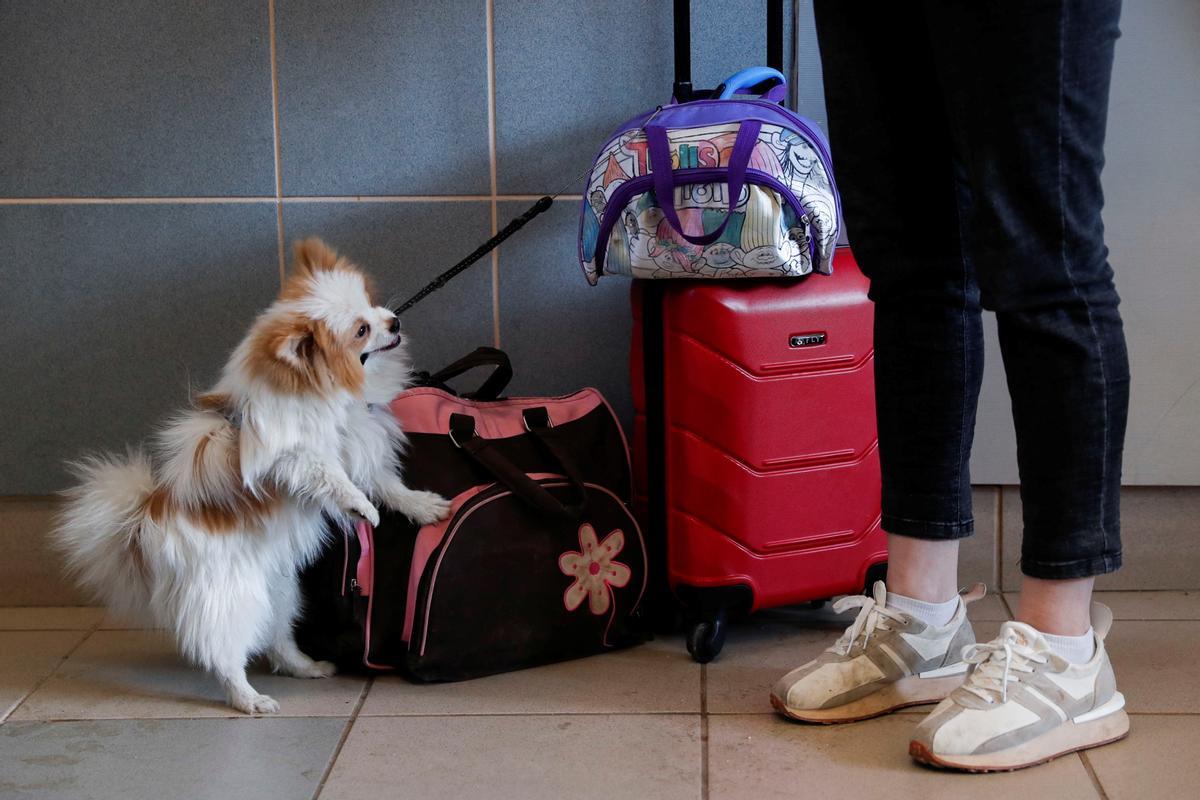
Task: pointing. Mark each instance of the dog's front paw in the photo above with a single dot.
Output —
(318, 669)
(254, 704)
(362, 507)
(426, 508)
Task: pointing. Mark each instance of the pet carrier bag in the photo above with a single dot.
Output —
(540, 559)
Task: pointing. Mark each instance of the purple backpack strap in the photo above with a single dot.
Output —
(664, 176)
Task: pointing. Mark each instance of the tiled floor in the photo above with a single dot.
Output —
(93, 710)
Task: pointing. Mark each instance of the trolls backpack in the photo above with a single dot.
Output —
(726, 187)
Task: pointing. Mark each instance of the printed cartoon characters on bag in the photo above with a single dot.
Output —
(764, 237)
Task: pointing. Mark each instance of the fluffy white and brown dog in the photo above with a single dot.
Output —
(209, 535)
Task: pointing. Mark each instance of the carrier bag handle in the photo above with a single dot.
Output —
(484, 453)
(664, 176)
(767, 83)
(492, 386)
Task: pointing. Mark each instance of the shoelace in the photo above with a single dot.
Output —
(994, 664)
(872, 615)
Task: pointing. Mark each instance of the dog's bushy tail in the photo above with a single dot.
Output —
(98, 529)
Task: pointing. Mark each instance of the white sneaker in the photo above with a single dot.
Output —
(884, 661)
(1022, 704)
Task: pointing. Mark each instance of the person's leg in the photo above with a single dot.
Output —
(894, 164)
(893, 158)
(1027, 86)
(923, 569)
(1027, 90)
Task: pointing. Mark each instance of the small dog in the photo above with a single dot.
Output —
(208, 537)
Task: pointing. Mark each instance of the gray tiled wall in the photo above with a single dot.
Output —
(145, 187)
(138, 208)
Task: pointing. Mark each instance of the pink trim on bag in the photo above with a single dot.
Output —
(428, 538)
(345, 559)
(624, 438)
(427, 410)
(364, 574)
(364, 571)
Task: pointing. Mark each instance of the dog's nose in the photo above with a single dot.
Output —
(395, 326)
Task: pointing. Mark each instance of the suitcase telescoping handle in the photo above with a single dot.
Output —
(767, 82)
(683, 47)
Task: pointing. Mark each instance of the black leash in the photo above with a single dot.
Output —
(479, 252)
(508, 230)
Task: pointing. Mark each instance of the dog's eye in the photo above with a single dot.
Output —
(362, 330)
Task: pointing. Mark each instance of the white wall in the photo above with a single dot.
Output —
(1152, 215)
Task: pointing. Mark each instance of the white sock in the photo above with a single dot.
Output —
(935, 614)
(1076, 649)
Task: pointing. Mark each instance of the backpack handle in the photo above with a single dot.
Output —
(664, 176)
(767, 83)
(486, 455)
(490, 389)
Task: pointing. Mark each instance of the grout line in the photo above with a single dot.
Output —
(1087, 766)
(998, 548)
(38, 684)
(337, 749)
(907, 712)
(490, 22)
(127, 201)
(480, 715)
(285, 199)
(704, 732)
(275, 143)
(1004, 602)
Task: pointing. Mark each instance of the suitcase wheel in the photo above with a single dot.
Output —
(706, 638)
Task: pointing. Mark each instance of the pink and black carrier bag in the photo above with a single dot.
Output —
(540, 559)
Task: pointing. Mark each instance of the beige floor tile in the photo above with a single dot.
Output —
(34, 618)
(246, 759)
(112, 622)
(1159, 758)
(526, 757)
(1155, 663)
(990, 609)
(136, 674)
(1159, 529)
(27, 657)
(770, 644)
(658, 676)
(763, 757)
(1151, 605)
(30, 573)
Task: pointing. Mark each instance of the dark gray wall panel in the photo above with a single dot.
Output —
(109, 313)
(383, 98)
(135, 98)
(562, 334)
(567, 73)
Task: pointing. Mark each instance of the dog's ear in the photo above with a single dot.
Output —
(291, 341)
(312, 255)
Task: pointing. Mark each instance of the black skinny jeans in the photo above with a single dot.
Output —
(968, 139)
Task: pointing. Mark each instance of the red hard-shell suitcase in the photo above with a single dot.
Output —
(769, 460)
